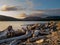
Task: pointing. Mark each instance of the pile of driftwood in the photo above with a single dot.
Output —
(32, 32)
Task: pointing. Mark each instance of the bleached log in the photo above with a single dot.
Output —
(27, 35)
(37, 38)
(3, 34)
(15, 42)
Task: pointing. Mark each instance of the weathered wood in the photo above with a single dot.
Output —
(27, 35)
(3, 34)
(45, 33)
(15, 42)
(37, 38)
(42, 35)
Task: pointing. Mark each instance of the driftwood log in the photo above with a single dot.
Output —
(37, 38)
(10, 32)
(27, 35)
(3, 34)
(42, 35)
(15, 42)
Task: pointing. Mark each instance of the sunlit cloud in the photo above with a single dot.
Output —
(21, 16)
(8, 8)
(26, 6)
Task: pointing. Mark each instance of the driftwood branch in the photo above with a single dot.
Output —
(3, 34)
(37, 38)
(27, 35)
(15, 42)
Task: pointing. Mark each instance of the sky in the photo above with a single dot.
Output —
(36, 4)
(46, 4)
(15, 7)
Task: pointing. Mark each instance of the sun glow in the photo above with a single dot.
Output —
(21, 16)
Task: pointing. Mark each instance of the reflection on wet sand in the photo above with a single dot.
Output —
(16, 24)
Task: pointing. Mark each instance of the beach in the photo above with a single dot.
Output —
(37, 33)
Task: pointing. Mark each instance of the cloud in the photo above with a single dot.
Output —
(21, 16)
(51, 12)
(8, 8)
(27, 5)
(30, 4)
